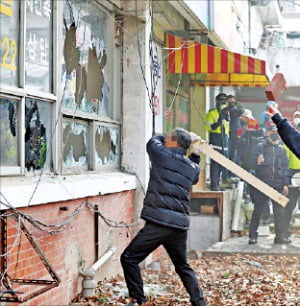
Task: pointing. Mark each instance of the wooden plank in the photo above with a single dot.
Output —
(273, 194)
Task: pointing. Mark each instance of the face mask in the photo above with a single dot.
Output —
(274, 138)
(232, 103)
(296, 121)
(221, 105)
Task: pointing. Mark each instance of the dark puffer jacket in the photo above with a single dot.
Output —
(274, 169)
(288, 134)
(167, 201)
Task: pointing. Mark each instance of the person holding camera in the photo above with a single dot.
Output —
(217, 125)
(166, 212)
(271, 166)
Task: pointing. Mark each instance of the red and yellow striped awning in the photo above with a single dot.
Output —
(213, 66)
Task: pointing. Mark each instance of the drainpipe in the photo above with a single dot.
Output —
(88, 282)
(96, 222)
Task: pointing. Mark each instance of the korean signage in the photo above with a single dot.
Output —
(38, 44)
(157, 87)
(9, 43)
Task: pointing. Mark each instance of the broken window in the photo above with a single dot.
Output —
(38, 134)
(9, 132)
(106, 146)
(75, 146)
(84, 72)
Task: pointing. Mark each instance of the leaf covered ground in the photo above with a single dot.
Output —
(229, 280)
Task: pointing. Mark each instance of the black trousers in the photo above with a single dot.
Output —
(294, 193)
(215, 171)
(260, 202)
(146, 241)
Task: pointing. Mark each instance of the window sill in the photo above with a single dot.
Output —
(18, 191)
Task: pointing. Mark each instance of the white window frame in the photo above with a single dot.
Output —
(58, 112)
(114, 104)
(21, 93)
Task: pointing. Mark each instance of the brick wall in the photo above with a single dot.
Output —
(71, 250)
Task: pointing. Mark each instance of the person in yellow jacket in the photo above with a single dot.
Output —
(217, 125)
(294, 191)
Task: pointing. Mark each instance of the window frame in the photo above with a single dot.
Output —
(59, 113)
(20, 93)
(93, 120)
(78, 169)
(93, 130)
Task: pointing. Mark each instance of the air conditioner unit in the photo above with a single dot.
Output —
(259, 2)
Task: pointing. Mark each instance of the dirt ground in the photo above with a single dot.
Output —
(229, 280)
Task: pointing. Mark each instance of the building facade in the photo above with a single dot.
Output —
(83, 86)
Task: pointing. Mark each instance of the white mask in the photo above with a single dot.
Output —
(296, 121)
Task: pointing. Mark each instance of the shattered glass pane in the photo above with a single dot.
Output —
(84, 77)
(8, 132)
(75, 150)
(107, 146)
(38, 134)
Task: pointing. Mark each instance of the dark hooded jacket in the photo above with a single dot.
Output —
(167, 201)
(289, 135)
(274, 169)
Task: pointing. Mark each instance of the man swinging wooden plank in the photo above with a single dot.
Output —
(201, 146)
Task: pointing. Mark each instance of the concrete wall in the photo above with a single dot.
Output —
(136, 112)
(137, 115)
(197, 124)
(286, 58)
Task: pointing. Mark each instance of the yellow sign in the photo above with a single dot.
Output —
(6, 7)
(10, 47)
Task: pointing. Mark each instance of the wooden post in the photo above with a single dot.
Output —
(204, 147)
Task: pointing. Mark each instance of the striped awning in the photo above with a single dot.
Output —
(213, 66)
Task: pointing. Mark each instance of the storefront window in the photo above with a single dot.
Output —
(8, 132)
(84, 79)
(38, 138)
(9, 42)
(38, 46)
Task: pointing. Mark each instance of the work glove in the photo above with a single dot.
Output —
(195, 158)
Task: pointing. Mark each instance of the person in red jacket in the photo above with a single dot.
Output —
(289, 135)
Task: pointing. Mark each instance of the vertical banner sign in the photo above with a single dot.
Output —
(38, 51)
(9, 42)
(157, 86)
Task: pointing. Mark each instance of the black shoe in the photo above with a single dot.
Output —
(266, 221)
(217, 188)
(201, 302)
(252, 241)
(282, 241)
(134, 302)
